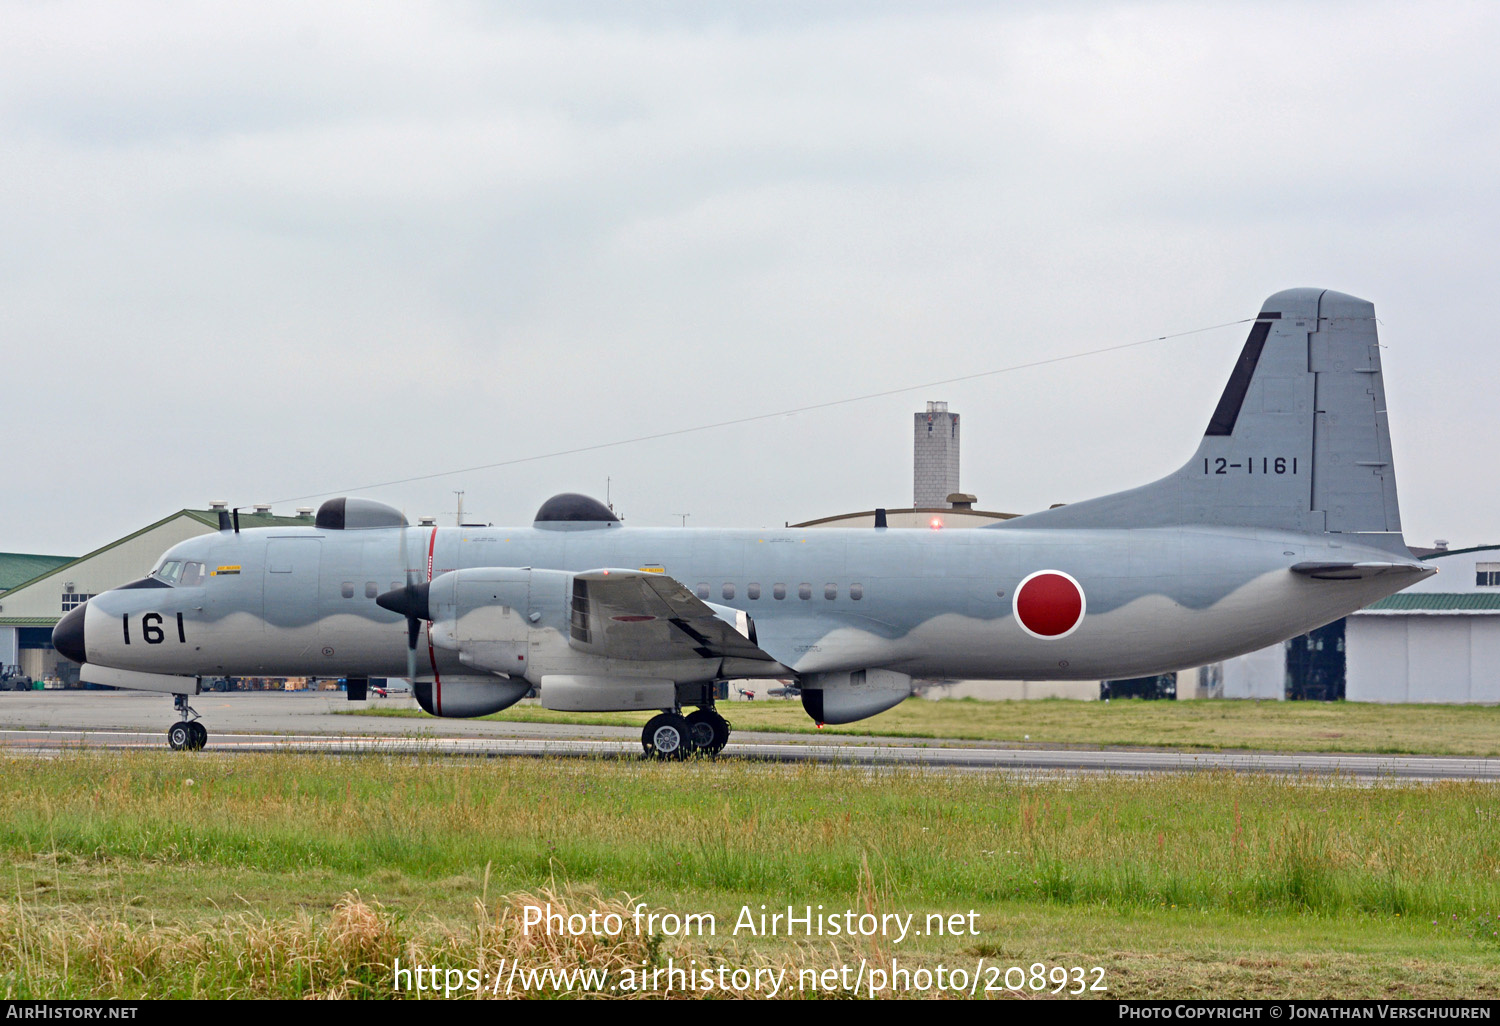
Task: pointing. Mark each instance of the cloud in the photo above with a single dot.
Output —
(262, 251)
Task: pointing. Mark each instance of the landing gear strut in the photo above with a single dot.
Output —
(187, 734)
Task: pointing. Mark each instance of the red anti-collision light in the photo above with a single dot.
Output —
(1049, 604)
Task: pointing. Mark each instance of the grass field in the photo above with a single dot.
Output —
(1264, 726)
(155, 875)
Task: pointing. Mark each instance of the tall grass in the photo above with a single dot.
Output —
(166, 875)
(350, 953)
(763, 833)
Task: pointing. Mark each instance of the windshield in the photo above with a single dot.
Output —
(175, 571)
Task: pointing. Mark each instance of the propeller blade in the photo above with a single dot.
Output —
(411, 602)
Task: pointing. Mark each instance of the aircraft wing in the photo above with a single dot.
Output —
(631, 614)
(1359, 571)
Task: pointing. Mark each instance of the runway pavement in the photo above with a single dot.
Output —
(47, 722)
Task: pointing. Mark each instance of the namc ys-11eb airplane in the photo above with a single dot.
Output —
(1283, 520)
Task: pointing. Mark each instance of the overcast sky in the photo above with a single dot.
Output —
(264, 251)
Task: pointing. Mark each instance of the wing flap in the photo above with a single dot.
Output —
(630, 614)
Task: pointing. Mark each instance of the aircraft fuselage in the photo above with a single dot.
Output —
(928, 603)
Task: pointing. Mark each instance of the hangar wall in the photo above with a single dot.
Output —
(1259, 675)
(108, 567)
(1417, 658)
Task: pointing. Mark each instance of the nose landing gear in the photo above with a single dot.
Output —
(187, 734)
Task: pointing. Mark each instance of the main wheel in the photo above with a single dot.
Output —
(667, 737)
(709, 731)
(200, 735)
(180, 736)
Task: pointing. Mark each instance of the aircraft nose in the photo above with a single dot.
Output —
(67, 636)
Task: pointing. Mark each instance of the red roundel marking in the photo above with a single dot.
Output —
(1049, 604)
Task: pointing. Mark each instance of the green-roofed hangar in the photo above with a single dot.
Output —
(20, 567)
(38, 590)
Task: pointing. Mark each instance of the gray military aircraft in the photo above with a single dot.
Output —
(1284, 519)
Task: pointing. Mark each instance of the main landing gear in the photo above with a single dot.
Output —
(674, 736)
(187, 734)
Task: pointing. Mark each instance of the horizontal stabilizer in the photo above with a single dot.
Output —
(1360, 571)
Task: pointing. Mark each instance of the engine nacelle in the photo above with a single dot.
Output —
(853, 694)
(468, 696)
(520, 622)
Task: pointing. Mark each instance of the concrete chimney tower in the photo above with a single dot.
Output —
(935, 457)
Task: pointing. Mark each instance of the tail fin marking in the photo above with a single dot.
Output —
(1298, 441)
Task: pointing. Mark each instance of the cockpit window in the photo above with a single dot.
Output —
(176, 572)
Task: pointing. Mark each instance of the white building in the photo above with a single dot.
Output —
(1437, 641)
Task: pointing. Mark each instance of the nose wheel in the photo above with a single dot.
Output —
(187, 734)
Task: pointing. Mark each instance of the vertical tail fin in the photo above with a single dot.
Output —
(1298, 441)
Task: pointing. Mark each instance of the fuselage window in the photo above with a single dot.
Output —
(830, 591)
(728, 591)
(192, 575)
(778, 591)
(804, 591)
(347, 589)
(371, 589)
(752, 592)
(702, 590)
(856, 591)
